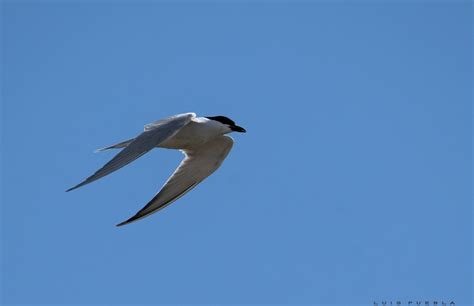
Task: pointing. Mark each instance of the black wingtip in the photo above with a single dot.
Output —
(72, 188)
(85, 182)
(75, 187)
(130, 220)
(123, 223)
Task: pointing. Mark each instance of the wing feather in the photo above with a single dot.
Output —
(154, 134)
(196, 166)
(119, 145)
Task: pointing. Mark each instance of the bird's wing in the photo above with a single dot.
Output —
(154, 134)
(119, 145)
(195, 167)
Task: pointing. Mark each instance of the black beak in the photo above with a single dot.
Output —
(237, 128)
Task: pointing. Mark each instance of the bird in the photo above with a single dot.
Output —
(203, 141)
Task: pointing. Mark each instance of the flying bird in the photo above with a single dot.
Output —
(203, 141)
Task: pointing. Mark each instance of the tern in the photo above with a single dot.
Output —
(203, 141)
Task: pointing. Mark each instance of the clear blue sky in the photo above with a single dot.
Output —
(352, 184)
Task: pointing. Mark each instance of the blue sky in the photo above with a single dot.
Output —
(352, 184)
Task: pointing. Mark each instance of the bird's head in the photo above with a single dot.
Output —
(228, 123)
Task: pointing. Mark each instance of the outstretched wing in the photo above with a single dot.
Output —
(119, 145)
(195, 167)
(154, 134)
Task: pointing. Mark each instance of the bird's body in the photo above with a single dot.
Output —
(201, 139)
(194, 134)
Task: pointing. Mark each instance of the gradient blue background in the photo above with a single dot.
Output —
(352, 185)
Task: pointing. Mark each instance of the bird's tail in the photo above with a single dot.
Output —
(119, 145)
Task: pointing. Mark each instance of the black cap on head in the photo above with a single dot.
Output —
(222, 119)
(229, 122)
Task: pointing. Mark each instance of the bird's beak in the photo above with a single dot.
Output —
(237, 128)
